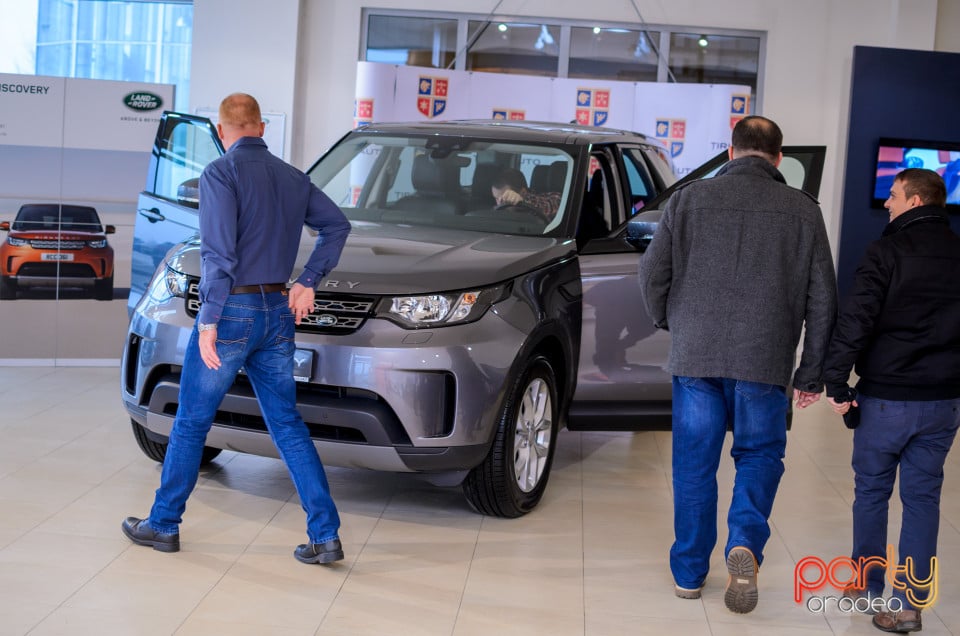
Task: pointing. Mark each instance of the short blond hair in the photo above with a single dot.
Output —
(240, 111)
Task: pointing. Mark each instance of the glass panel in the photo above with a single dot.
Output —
(129, 41)
(611, 53)
(447, 182)
(430, 42)
(642, 187)
(189, 148)
(715, 59)
(513, 47)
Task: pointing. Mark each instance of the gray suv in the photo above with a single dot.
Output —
(454, 337)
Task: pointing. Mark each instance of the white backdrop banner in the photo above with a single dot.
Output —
(31, 110)
(427, 93)
(510, 97)
(693, 121)
(111, 115)
(375, 93)
(60, 112)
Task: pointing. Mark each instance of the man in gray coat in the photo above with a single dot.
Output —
(738, 266)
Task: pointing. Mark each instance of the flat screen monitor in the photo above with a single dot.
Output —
(894, 155)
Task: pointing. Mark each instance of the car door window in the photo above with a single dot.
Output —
(641, 187)
(600, 209)
(183, 154)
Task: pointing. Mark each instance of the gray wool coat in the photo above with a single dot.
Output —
(738, 266)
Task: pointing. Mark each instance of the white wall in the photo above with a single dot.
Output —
(247, 46)
(806, 82)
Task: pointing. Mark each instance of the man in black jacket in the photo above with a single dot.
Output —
(900, 325)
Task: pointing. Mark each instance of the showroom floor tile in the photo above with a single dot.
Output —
(590, 560)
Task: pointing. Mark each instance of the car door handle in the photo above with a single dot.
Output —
(153, 214)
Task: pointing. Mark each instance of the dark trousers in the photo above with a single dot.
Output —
(916, 436)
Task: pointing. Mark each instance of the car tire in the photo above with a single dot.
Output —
(8, 288)
(158, 450)
(103, 289)
(512, 478)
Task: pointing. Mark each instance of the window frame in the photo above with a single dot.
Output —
(566, 24)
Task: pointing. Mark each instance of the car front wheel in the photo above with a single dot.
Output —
(158, 450)
(512, 478)
(103, 289)
(8, 288)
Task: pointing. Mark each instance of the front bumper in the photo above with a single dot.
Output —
(382, 397)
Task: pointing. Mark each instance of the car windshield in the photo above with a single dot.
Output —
(67, 218)
(448, 181)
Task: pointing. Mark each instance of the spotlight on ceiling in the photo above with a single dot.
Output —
(703, 41)
(502, 27)
(596, 30)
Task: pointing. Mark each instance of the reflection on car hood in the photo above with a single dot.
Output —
(392, 259)
(53, 235)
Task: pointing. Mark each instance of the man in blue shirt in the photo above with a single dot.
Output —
(253, 207)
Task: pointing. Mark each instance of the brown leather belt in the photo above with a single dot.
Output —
(256, 289)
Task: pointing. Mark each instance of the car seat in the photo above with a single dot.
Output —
(436, 184)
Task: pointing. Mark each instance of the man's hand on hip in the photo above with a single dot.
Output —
(300, 301)
(208, 349)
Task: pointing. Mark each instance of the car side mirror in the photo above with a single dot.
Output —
(641, 228)
(109, 229)
(188, 193)
(5, 226)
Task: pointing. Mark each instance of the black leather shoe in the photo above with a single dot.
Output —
(326, 552)
(140, 532)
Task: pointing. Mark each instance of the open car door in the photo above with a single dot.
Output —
(167, 207)
(622, 381)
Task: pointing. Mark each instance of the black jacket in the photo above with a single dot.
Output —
(900, 323)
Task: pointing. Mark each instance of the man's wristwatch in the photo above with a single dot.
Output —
(208, 326)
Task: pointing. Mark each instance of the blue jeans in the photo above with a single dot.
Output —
(702, 409)
(256, 332)
(916, 436)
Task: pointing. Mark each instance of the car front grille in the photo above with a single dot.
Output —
(53, 244)
(53, 270)
(338, 314)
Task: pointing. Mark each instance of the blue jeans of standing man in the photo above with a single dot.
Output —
(916, 436)
(702, 409)
(256, 332)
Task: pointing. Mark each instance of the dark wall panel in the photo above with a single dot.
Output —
(894, 93)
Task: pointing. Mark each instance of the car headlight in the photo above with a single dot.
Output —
(98, 244)
(168, 283)
(16, 242)
(177, 282)
(439, 310)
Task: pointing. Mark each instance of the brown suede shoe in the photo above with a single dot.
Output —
(862, 599)
(900, 622)
(741, 594)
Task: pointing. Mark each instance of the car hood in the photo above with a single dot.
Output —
(392, 259)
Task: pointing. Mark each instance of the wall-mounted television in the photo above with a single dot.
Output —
(895, 154)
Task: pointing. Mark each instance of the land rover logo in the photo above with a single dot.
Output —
(142, 100)
(326, 320)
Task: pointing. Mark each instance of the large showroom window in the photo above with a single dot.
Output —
(614, 53)
(715, 59)
(412, 41)
(633, 52)
(97, 39)
(513, 47)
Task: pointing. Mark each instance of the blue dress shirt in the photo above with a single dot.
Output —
(253, 207)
